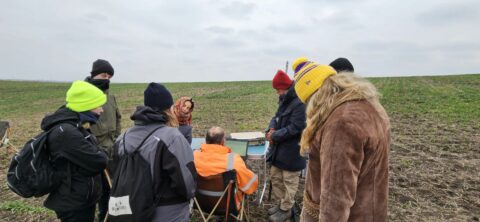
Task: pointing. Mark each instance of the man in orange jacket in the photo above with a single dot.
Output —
(215, 158)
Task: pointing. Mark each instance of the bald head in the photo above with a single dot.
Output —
(215, 135)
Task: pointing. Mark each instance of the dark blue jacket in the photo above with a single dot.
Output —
(288, 122)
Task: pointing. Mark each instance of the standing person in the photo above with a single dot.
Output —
(75, 154)
(108, 127)
(284, 133)
(342, 65)
(166, 150)
(182, 110)
(347, 139)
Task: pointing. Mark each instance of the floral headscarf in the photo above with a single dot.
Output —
(183, 109)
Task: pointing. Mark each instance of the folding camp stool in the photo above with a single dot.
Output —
(216, 196)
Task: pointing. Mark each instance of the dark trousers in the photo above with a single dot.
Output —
(103, 202)
(83, 215)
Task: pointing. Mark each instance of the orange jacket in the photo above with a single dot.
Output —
(213, 159)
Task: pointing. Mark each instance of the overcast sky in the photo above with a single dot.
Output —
(214, 40)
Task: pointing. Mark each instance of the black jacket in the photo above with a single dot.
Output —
(76, 158)
(288, 122)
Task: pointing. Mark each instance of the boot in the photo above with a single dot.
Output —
(280, 216)
(273, 210)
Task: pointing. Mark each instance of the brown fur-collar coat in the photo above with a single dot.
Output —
(347, 177)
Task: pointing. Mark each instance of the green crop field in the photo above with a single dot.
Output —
(434, 157)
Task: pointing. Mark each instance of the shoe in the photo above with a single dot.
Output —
(280, 216)
(273, 210)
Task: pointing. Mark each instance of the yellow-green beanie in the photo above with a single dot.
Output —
(309, 77)
(83, 96)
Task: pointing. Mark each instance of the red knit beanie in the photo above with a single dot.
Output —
(281, 80)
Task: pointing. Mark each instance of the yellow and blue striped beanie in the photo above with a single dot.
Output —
(309, 77)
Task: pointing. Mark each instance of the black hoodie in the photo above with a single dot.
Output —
(77, 158)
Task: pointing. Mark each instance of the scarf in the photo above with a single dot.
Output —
(182, 111)
(88, 117)
(102, 84)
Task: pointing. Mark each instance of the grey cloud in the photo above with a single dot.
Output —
(339, 20)
(227, 42)
(262, 35)
(450, 14)
(219, 30)
(287, 28)
(334, 1)
(95, 17)
(237, 9)
(162, 44)
(185, 45)
(143, 40)
(466, 50)
(387, 46)
(457, 46)
(285, 51)
(246, 53)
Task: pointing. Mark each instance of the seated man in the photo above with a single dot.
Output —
(215, 158)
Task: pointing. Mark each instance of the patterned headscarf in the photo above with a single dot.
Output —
(183, 114)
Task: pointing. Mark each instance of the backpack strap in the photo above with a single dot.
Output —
(123, 139)
(143, 141)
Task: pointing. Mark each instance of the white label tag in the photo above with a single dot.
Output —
(119, 206)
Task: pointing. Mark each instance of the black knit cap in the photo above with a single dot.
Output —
(101, 66)
(342, 65)
(157, 96)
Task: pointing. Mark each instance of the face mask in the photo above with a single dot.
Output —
(102, 84)
(88, 116)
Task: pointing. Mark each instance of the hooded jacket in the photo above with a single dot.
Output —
(76, 158)
(347, 176)
(171, 160)
(288, 122)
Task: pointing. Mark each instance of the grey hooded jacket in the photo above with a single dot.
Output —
(171, 161)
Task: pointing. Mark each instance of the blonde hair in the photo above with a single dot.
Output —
(334, 91)
(171, 118)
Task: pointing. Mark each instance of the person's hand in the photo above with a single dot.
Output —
(269, 135)
(267, 132)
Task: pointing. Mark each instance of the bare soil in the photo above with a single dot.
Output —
(434, 174)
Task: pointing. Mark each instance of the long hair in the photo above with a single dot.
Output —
(171, 119)
(334, 91)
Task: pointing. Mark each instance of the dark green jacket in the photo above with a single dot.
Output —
(108, 127)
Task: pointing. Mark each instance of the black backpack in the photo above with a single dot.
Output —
(132, 196)
(31, 173)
